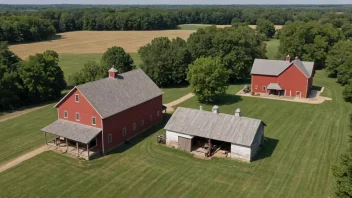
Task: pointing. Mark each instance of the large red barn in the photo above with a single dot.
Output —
(98, 116)
(282, 77)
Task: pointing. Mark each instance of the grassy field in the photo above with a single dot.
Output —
(304, 140)
(271, 48)
(171, 94)
(71, 63)
(93, 42)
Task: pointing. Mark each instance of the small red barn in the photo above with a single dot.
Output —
(98, 116)
(283, 78)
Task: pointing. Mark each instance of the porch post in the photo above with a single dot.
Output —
(88, 150)
(56, 141)
(77, 149)
(66, 145)
(46, 141)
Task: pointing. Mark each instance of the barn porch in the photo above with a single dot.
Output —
(76, 149)
(274, 89)
(73, 138)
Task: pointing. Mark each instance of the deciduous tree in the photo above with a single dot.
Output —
(208, 78)
(266, 27)
(118, 58)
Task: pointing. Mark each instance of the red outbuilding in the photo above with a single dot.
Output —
(283, 78)
(98, 116)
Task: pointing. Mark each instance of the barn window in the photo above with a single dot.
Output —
(77, 98)
(65, 114)
(298, 93)
(142, 122)
(150, 118)
(77, 116)
(264, 88)
(94, 121)
(256, 87)
(158, 113)
(134, 126)
(109, 138)
(124, 131)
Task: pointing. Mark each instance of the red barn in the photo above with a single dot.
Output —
(283, 78)
(98, 116)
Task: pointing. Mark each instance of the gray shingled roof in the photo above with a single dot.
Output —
(73, 131)
(110, 96)
(223, 127)
(113, 70)
(276, 67)
(274, 86)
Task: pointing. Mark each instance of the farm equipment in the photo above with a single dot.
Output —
(161, 139)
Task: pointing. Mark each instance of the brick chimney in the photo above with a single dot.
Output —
(288, 58)
(113, 73)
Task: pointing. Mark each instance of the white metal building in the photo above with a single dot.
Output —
(244, 134)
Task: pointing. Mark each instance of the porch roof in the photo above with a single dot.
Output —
(274, 86)
(73, 131)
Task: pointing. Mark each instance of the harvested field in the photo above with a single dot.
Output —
(87, 42)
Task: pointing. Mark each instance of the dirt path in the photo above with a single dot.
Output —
(23, 158)
(170, 105)
(8, 116)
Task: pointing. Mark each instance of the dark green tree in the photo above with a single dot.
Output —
(266, 27)
(347, 30)
(42, 77)
(343, 172)
(166, 61)
(309, 41)
(208, 78)
(337, 56)
(118, 58)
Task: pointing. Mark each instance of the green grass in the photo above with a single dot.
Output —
(71, 63)
(304, 140)
(171, 94)
(190, 27)
(271, 48)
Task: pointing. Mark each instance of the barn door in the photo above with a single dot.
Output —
(184, 144)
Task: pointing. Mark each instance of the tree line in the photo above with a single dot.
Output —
(23, 26)
(32, 81)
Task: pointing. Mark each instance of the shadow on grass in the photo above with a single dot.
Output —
(52, 38)
(226, 99)
(149, 132)
(268, 149)
(317, 88)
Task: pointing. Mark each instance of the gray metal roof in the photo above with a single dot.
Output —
(274, 86)
(276, 67)
(223, 127)
(110, 96)
(73, 131)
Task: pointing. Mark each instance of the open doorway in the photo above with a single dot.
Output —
(208, 148)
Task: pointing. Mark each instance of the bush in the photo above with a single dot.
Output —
(247, 89)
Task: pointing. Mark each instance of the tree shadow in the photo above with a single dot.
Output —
(317, 88)
(267, 149)
(226, 99)
(140, 137)
(52, 38)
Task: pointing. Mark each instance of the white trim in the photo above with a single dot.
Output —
(65, 114)
(65, 97)
(264, 88)
(95, 119)
(124, 131)
(90, 104)
(299, 94)
(79, 116)
(77, 98)
(292, 63)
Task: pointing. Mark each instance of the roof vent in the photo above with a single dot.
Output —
(238, 113)
(288, 58)
(113, 73)
(201, 108)
(215, 109)
(297, 58)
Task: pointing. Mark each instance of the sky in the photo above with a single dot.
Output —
(175, 2)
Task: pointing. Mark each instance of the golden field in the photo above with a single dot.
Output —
(88, 42)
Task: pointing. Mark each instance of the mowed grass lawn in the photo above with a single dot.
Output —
(304, 140)
(72, 63)
(271, 48)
